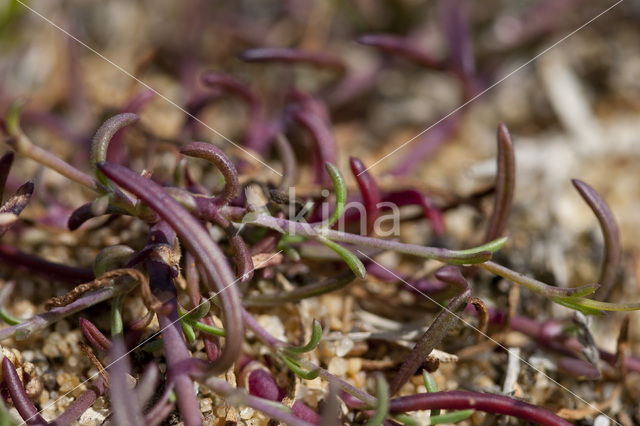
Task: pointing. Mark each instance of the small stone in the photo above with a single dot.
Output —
(344, 346)
(338, 366)
(206, 405)
(93, 417)
(246, 413)
(354, 365)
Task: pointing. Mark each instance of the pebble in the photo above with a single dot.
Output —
(93, 417)
(338, 366)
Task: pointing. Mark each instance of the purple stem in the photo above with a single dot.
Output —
(177, 353)
(19, 396)
(215, 156)
(550, 334)
(15, 258)
(611, 234)
(36, 323)
(241, 255)
(85, 212)
(454, 15)
(490, 403)
(401, 46)
(302, 411)
(369, 190)
(306, 230)
(437, 330)
(205, 251)
(289, 55)
(81, 403)
(193, 279)
(125, 407)
(505, 185)
(300, 293)
(94, 336)
(578, 368)
(163, 288)
(409, 197)
(433, 288)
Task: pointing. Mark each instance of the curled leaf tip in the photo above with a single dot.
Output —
(355, 264)
(102, 138)
(314, 340)
(610, 232)
(298, 370)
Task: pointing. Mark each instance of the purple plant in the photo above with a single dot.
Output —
(21, 401)
(369, 190)
(276, 54)
(194, 236)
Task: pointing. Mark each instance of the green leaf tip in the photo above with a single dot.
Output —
(340, 188)
(595, 307)
(314, 340)
(355, 264)
(299, 371)
(492, 247)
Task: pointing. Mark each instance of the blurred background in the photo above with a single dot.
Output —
(385, 71)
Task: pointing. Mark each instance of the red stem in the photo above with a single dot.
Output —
(490, 403)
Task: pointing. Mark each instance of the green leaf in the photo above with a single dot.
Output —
(406, 420)
(152, 346)
(455, 417)
(207, 328)
(382, 394)
(116, 316)
(188, 331)
(293, 366)
(8, 318)
(200, 311)
(111, 257)
(350, 259)
(431, 386)
(595, 307)
(491, 246)
(340, 189)
(5, 417)
(316, 335)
